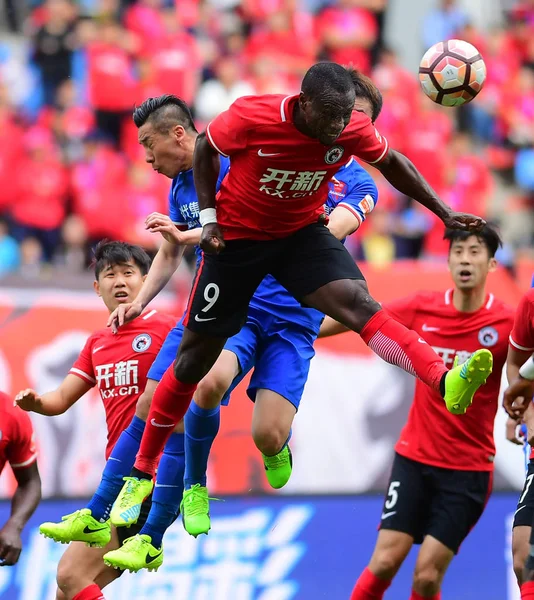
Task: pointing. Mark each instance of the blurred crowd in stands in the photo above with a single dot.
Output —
(71, 171)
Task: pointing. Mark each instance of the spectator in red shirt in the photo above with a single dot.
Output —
(347, 32)
(112, 85)
(278, 40)
(98, 182)
(174, 59)
(17, 447)
(11, 135)
(41, 188)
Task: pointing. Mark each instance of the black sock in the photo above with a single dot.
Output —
(140, 474)
(442, 384)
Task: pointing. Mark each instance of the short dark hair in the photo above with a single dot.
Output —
(108, 254)
(325, 79)
(365, 88)
(488, 235)
(164, 112)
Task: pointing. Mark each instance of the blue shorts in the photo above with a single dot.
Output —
(280, 353)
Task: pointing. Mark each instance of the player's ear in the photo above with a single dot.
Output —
(96, 287)
(493, 264)
(178, 133)
(144, 277)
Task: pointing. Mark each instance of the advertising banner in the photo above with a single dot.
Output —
(275, 548)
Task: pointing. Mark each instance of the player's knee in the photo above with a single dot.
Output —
(188, 369)
(427, 580)
(269, 437)
(143, 405)
(361, 306)
(385, 563)
(67, 577)
(210, 391)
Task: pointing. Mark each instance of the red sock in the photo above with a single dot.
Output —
(404, 348)
(91, 592)
(369, 587)
(169, 405)
(416, 596)
(527, 590)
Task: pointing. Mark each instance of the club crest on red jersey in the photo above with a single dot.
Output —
(488, 336)
(333, 154)
(142, 342)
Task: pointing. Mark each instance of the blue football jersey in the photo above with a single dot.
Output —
(353, 188)
(183, 201)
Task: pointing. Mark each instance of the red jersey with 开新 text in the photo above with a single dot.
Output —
(432, 435)
(279, 177)
(118, 365)
(17, 444)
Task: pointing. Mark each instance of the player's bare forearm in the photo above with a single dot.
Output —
(404, 176)
(56, 402)
(342, 223)
(27, 496)
(206, 168)
(164, 265)
(191, 237)
(514, 361)
(330, 327)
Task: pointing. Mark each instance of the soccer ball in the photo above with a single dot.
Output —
(452, 73)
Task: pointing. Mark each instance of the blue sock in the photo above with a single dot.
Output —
(201, 427)
(168, 490)
(119, 465)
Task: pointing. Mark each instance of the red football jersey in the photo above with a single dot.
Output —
(432, 435)
(17, 444)
(522, 336)
(279, 176)
(118, 364)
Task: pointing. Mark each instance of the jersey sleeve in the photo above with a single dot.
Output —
(403, 310)
(21, 451)
(174, 212)
(228, 132)
(83, 367)
(361, 198)
(368, 144)
(522, 336)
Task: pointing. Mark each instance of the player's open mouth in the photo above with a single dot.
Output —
(121, 295)
(465, 275)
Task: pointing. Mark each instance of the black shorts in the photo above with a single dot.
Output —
(524, 514)
(302, 262)
(444, 503)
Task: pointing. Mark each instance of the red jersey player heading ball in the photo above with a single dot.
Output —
(283, 152)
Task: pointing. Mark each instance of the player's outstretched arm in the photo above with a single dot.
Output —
(71, 389)
(23, 505)
(206, 168)
(165, 263)
(404, 176)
